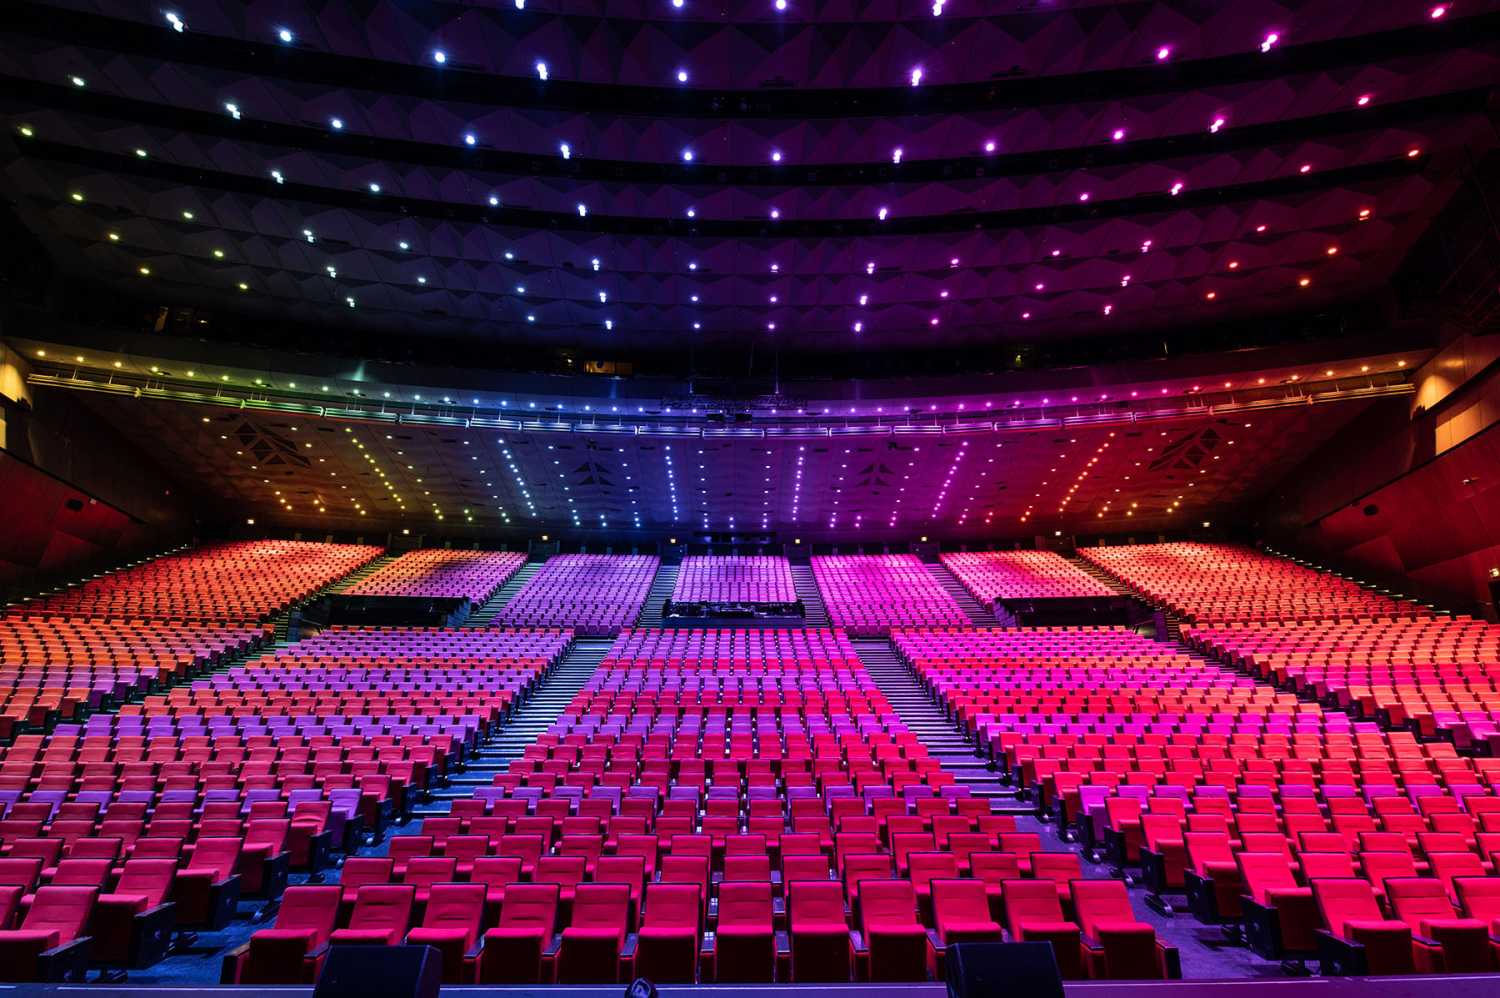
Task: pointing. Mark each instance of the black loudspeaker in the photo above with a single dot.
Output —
(1025, 970)
(389, 971)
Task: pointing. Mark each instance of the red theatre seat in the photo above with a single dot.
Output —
(513, 951)
(50, 945)
(745, 944)
(450, 925)
(1359, 939)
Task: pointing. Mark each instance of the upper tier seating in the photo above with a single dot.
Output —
(441, 573)
(1003, 575)
(870, 594)
(1223, 583)
(238, 582)
(734, 579)
(595, 594)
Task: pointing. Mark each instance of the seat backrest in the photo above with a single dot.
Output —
(601, 906)
(148, 878)
(456, 906)
(310, 907)
(1480, 897)
(959, 900)
(865, 866)
(815, 903)
(407, 846)
(1264, 871)
(270, 832)
(924, 866)
(218, 854)
(1346, 900)
(1030, 901)
(745, 903)
(1097, 901)
(496, 871)
(386, 907)
(64, 910)
(1417, 899)
(81, 872)
(629, 870)
(1337, 864)
(427, 870)
(1055, 865)
(1380, 866)
(887, 902)
(1207, 847)
(466, 846)
(748, 868)
(360, 870)
(530, 905)
(565, 870)
(994, 867)
(811, 866)
(673, 906)
(22, 873)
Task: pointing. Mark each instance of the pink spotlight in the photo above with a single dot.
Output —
(1117, 134)
(1164, 53)
(1437, 12)
(1363, 100)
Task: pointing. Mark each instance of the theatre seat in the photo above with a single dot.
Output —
(891, 944)
(132, 924)
(381, 916)
(1116, 944)
(450, 925)
(594, 940)
(1212, 878)
(745, 943)
(208, 889)
(667, 946)
(1359, 939)
(1033, 913)
(50, 944)
(513, 951)
(292, 950)
(1281, 917)
(1442, 941)
(819, 932)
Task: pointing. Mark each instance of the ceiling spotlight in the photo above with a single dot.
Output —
(79, 81)
(1084, 196)
(1437, 12)
(859, 327)
(595, 263)
(141, 153)
(541, 70)
(682, 76)
(233, 109)
(687, 155)
(775, 214)
(374, 187)
(781, 4)
(692, 213)
(286, 36)
(677, 4)
(776, 155)
(916, 76)
(439, 56)
(494, 201)
(609, 324)
(1118, 134)
(896, 155)
(1164, 53)
(337, 124)
(1177, 188)
(277, 176)
(1215, 125)
(175, 22)
(1362, 100)
(470, 138)
(882, 213)
(1269, 41)
(566, 150)
(583, 210)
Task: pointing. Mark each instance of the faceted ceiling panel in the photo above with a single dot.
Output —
(811, 176)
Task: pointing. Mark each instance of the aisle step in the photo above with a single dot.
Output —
(814, 611)
(924, 718)
(661, 591)
(978, 614)
(486, 612)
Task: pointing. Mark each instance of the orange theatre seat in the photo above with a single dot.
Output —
(50, 944)
(1117, 945)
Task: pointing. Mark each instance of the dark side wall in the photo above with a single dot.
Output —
(75, 497)
(1409, 494)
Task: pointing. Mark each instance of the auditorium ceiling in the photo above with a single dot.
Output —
(826, 177)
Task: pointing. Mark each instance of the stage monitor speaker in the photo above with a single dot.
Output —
(389, 971)
(1023, 970)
